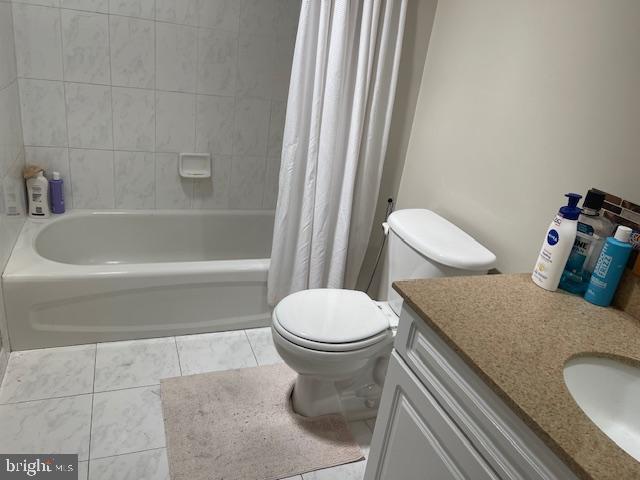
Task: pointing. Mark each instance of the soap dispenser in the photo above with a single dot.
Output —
(557, 245)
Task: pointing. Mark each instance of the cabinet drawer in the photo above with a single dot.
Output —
(504, 440)
(416, 439)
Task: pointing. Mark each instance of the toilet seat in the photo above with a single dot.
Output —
(331, 320)
(330, 347)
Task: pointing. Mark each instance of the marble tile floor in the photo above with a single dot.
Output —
(102, 401)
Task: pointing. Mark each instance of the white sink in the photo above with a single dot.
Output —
(608, 391)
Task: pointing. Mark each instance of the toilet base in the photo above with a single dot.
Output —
(347, 383)
(313, 397)
(355, 399)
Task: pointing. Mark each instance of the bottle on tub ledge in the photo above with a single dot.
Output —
(56, 193)
(557, 245)
(37, 192)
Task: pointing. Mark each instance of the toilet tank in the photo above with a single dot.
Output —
(422, 244)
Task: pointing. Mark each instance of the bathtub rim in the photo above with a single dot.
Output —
(25, 262)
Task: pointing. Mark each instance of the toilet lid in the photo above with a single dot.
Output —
(436, 238)
(330, 316)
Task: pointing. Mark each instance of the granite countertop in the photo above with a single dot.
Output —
(517, 337)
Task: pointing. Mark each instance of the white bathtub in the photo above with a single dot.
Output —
(89, 277)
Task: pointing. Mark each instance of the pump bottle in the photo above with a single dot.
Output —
(557, 245)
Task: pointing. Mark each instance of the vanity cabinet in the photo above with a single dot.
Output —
(438, 420)
(420, 438)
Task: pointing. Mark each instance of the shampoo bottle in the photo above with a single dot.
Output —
(557, 245)
(593, 230)
(38, 191)
(56, 189)
(610, 267)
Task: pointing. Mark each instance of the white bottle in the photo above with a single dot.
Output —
(38, 192)
(557, 245)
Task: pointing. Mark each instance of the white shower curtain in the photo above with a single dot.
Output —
(341, 95)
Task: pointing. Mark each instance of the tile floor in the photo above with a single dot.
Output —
(103, 401)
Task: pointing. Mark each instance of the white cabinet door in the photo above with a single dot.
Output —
(506, 443)
(414, 437)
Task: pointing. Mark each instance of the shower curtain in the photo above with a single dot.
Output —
(341, 96)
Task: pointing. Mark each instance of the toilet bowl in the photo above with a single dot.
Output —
(339, 341)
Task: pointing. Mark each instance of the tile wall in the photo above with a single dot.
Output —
(112, 90)
(12, 195)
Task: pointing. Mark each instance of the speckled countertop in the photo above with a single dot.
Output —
(517, 337)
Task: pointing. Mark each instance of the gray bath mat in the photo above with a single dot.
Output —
(238, 424)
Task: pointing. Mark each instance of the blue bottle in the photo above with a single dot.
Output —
(56, 193)
(608, 271)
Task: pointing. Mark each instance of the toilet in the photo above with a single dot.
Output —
(339, 341)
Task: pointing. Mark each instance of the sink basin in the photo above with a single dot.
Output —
(608, 392)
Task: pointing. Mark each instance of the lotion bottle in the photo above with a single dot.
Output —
(38, 192)
(557, 245)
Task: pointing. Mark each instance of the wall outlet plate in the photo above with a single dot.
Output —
(195, 165)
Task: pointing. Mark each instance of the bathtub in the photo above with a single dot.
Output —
(86, 277)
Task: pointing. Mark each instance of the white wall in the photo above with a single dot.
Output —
(111, 92)
(12, 196)
(522, 101)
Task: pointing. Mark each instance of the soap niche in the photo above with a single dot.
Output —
(195, 165)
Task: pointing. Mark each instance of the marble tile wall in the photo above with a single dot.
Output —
(12, 196)
(112, 90)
